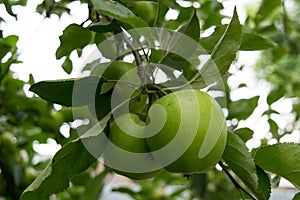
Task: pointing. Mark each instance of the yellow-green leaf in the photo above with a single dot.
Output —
(282, 159)
(72, 159)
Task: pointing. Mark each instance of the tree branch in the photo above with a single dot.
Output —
(130, 45)
(137, 57)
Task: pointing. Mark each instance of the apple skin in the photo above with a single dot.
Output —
(211, 122)
(131, 144)
(146, 10)
(115, 71)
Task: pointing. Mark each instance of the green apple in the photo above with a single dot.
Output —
(127, 134)
(112, 71)
(115, 71)
(186, 131)
(146, 10)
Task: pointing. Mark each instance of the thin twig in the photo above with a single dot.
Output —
(158, 89)
(236, 184)
(129, 43)
(137, 57)
(145, 54)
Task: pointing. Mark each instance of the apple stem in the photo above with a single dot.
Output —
(187, 176)
(236, 184)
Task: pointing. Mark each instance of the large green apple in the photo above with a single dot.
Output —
(186, 131)
(127, 133)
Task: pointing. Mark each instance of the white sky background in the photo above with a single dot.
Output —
(39, 39)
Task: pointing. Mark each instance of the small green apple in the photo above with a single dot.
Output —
(122, 135)
(192, 133)
(113, 72)
(146, 10)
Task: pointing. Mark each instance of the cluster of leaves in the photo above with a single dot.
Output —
(23, 120)
(26, 121)
(279, 65)
(248, 171)
(9, 4)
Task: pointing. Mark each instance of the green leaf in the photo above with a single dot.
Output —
(61, 91)
(270, 111)
(242, 108)
(223, 53)
(31, 79)
(209, 43)
(250, 40)
(8, 7)
(191, 28)
(266, 8)
(178, 42)
(276, 94)
(275, 181)
(95, 187)
(11, 40)
(253, 41)
(74, 37)
(8, 44)
(162, 11)
(156, 55)
(240, 161)
(126, 190)
(273, 128)
(208, 9)
(175, 61)
(281, 159)
(67, 65)
(50, 7)
(199, 183)
(297, 196)
(263, 189)
(118, 12)
(110, 47)
(72, 159)
(244, 133)
(184, 14)
(182, 45)
(102, 28)
(4, 49)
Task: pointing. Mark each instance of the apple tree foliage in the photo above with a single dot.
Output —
(73, 173)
